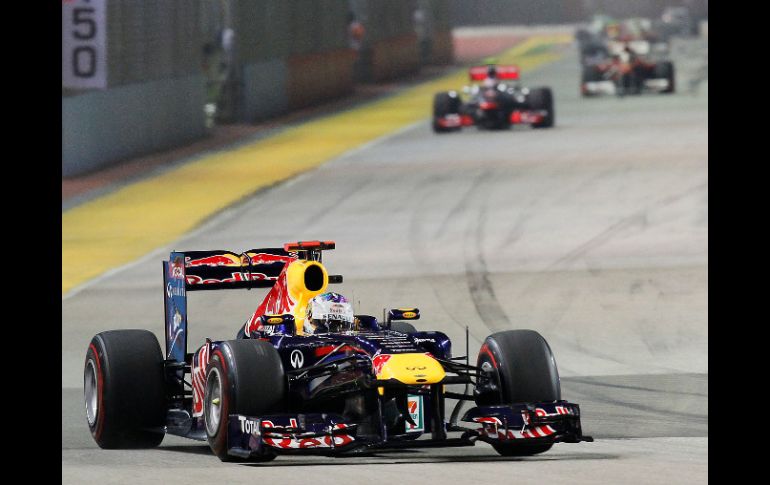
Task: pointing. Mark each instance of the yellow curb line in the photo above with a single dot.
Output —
(132, 221)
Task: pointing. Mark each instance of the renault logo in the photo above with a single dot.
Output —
(297, 359)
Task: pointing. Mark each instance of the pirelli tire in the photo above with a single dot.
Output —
(243, 377)
(542, 99)
(590, 74)
(444, 103)
(124, 389)
(522, 369)
(665, 70)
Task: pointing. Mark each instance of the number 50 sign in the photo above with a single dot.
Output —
(83, 54)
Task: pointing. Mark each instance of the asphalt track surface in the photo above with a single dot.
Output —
(593, 233)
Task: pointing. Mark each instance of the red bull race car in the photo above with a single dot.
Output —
(496, 101)
(304, 374)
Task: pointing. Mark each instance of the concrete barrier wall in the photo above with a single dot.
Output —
(437, 46)
(442, 48)
(394, 57)
(319, 77)
(264, 93)
(288, 54)
(390, 46)
(292, 53)
(100, 128)
(155, 92)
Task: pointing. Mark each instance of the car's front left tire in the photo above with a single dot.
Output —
(244, 377)
(542, 99)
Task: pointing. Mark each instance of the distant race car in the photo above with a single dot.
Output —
(626, 68)
(495, 103)
(305, 375)
(628, 57)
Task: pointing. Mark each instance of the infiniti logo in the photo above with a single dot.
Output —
(416, 368)
(297, 358)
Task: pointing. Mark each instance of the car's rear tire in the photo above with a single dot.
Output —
(590, 74)
(444, 104)
(542, 99)
(243, 377)
(521, 366)
(124, 389)
(665, 70)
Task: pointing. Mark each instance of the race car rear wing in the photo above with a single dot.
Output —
(221, 269)
(215, 270)
(479, 73)
(212, 270)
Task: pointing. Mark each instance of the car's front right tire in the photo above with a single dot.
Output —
(520, 368)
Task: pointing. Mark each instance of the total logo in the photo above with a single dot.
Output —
(248, 425)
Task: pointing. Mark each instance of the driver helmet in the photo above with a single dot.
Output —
(329, 313)
(491, 79)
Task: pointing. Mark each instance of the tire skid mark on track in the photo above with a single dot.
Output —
(418, 248)
(611, 399)
(480, 287)
(461, 204)
(637, 219)
(576, 345)
(594, 381)
(317, 217)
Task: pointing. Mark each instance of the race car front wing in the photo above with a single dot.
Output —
(526, 423)
(517, 117)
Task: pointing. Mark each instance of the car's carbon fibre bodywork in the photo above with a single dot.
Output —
(371, 387)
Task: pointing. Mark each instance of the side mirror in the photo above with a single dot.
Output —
(280, 324)
(403, 314)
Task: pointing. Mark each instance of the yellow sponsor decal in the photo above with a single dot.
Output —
(409, 314)
(275, 320)
(412, 369)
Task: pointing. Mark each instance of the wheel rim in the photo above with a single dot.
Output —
(213, 402)
(491, 375)
(91, 387)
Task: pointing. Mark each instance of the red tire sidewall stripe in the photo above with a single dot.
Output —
(100, 385)
(486, 350)
(225, 383)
